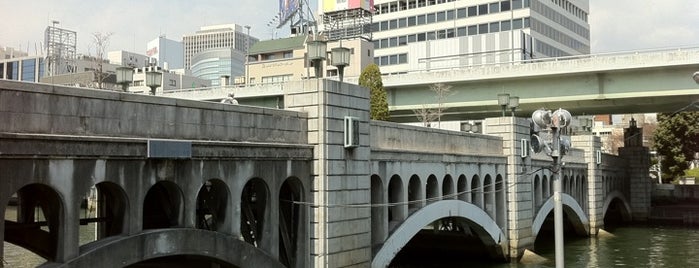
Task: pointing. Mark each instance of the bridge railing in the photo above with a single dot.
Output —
(577, 63)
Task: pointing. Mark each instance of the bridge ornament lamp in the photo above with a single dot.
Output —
(316, 54)
(556, 148)
(124, 77)
(506, 101)
(340, 59)
(153, 80)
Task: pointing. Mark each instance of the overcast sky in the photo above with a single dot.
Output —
(616, 25)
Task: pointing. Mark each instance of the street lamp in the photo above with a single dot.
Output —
(513, 104)
(124, 76)
(340, 59)
(316, 54)
(696, 77)
(153, 80)
(558, 147)
(247, 56)
(503, 101)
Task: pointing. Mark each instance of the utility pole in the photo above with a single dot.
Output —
(558, 147)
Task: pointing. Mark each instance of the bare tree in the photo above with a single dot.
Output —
(98, 51)
(442, 91)
(428, 115)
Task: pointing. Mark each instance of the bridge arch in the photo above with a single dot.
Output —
(570, 207)
(484, 226)
(173, 242)
(432, 189)
(617, 195)
(112, 205)
(463, 189)
(415, 194)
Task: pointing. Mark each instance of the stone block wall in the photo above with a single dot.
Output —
(341, 216)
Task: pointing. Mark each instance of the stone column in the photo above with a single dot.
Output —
(595, 186)
(340, 216)
(638, 160)
(520, 212)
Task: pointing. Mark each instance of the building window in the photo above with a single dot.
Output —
(483, 28)
(430, 18)
(494, 7)
(472, 11)
(482, 9)
(411, 21)
(461, 13)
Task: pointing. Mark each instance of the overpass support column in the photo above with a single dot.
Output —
(638, 185)
(341, 190)
(595, 186)
(520, 211)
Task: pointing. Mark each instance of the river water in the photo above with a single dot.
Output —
(632, 246)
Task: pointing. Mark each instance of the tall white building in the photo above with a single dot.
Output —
(216, 36)
(166, 51)
(412, 35)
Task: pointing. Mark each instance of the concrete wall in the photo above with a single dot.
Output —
(392, 136)
(47, 109)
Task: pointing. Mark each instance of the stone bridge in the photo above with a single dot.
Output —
(172, 181)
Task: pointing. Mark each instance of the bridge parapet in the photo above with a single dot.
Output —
(393, 136)
(48, 109)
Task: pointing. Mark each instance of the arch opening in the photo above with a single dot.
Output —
(377, 212)
(104, 212)
(396, 198)
(33, 223)
(448, 188)
(489, 196)
(253, 208)
(617, 212)
(291, 219)
(415, 195)
(211, 205)
(163, 206)
(432, 188)
(476, 192)
(500, 200)
(434, 227)
(463, 189)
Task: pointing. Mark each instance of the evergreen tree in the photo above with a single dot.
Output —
(371, 78)
(677, 139)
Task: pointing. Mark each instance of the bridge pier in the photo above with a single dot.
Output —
(595, 183)
(520, 213)
(638, 163)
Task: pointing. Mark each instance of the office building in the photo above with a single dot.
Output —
(423, 35)
(212, 64)
(25, 68)
(285, 59)
(169, 54)
(216, 36)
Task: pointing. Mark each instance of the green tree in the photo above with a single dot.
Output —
(677, 139)
(371, 78)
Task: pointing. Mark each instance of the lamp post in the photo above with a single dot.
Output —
(503, 101)
(558, 147)
(153, 80)
(316, 54)
(124, 76)
(247, 56)
(513, 104)
(340, 59)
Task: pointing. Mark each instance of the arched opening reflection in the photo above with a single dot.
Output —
(291, 218)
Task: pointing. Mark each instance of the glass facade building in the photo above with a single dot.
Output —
(28, 69)
(213, 63)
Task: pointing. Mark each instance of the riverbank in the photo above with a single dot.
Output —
(673, 211)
